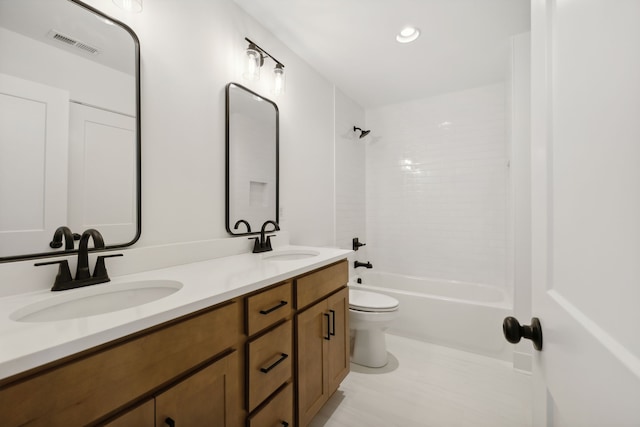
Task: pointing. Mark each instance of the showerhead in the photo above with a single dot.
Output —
(363, 133)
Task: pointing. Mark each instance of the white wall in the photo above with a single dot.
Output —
(437, 179)
(189, 51)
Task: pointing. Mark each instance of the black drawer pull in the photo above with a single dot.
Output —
(274, 308)
(328, 337)
(283, 356)
(169, 421)
(285, 424)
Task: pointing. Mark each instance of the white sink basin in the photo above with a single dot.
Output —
(290, 255)
(95, 299)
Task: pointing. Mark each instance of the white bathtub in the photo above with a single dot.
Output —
(463, 315)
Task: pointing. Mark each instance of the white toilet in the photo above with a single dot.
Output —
(370, 314)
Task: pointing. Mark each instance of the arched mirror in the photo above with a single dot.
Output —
(252, 160)
(69, 126)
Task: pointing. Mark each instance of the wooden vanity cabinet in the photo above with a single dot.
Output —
(95, 385)
(322, 336)
(269, 358)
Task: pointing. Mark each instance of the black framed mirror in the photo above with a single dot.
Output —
(70, 140)
(252, 171)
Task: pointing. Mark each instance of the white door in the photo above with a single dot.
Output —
(102, 173)
(34, 126)
(586, 211)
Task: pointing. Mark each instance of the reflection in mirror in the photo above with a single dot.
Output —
(252, 160)
(69, 126)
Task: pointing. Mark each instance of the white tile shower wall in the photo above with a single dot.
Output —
(437, 179)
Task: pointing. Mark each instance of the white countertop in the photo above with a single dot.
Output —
(26, 345)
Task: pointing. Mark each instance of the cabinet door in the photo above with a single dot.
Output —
(338, 358)
(206, 398)
(312, 334)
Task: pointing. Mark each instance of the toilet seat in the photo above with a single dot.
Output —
(371, 302)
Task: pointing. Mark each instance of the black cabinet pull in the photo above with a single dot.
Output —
(170, 422)
(333, 321)
(274, 308)
(328, 337)
(285, 424)
(283, 356)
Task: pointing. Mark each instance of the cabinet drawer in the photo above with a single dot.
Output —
(114, 376)
(269, 363)
(318, 284)
(278, 412)
(268, 307)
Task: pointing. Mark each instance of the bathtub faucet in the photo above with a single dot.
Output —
(357, 264)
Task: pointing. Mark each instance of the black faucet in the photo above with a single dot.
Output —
(69, 237)
(263, 243)
(242, 221)
(357, 264)
(83, 277)
(82, 271)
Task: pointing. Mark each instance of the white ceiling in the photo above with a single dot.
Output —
(464, 43)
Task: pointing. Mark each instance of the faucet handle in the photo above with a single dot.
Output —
(267, 242)
(256, 244)
(63, 277)
(100, 272)
(356, 244)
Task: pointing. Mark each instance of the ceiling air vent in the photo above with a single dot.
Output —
(70, 41)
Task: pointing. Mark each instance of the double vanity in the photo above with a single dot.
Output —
(250, 339)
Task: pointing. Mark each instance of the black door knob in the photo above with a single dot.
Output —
(513, 331)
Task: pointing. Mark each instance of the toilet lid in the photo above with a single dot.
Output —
(371, 301)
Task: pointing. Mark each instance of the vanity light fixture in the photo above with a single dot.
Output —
(254, 60)
(134, 6)
(408, 34)
(278, 79)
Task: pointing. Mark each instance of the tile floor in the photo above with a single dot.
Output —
(429, 385)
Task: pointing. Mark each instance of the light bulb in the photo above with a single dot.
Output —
(278, 79)
(253, 62)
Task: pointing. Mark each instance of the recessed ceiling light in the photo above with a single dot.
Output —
(408, 34)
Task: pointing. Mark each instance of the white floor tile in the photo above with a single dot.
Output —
(429, 385)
